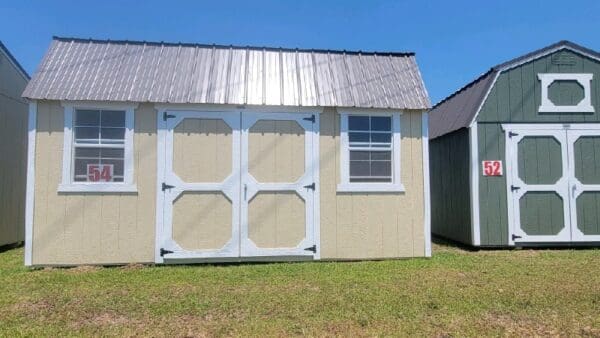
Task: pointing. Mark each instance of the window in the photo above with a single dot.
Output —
(98, 149)
(370, 151)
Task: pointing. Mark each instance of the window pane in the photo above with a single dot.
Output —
(358, 123)
(381, 123)
(381, 138)
(117, 167)
(113, 134)
(113, 153)
(113, 118)
(358, 137)
(87, 117)
(381, 155)
(87, 133)
(381, 168)
(359, 168)
(87, 152)
(80, 171)
(357, 155)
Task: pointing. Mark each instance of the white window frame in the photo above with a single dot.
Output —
(345, 185)
(584, 106)
(68, 184)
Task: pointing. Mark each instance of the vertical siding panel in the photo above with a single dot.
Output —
(416, 192)
(527, 95)
(42, 158)
(328, 181)
(404, 221)
(514, 95)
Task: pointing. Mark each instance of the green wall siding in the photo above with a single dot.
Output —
(449, 180)
(515, 98)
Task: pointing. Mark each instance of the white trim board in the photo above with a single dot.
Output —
(474, 179)
(426, 188)
(30, 190)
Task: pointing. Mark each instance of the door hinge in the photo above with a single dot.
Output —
(514, 188)
(511, 134)
(167, 116)
(164, 252)
(312, 248)
(515, 237)
(310, 186)
(166, 186)
(311, 118)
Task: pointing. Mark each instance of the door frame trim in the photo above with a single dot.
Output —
(509, 169)
(161, 127)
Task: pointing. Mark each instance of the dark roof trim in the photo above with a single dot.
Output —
(14, 61)
(463, 88)
(162, 43)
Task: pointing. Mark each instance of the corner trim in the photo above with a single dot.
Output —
(474, 173)
(30, 190)
(426, 187)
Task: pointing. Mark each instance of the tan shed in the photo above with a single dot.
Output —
(13, 148)
(178, 153)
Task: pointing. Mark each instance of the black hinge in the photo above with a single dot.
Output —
(513, 188)
(312, 248)
(311, 118)
(511, 134)
(164, 252)
(515, 237)
(167, 116)
(310, 186)
(166, 186)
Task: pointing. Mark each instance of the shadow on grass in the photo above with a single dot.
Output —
(11, 246)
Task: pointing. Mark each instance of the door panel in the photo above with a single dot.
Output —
(584, 146)
(277, 183)
(201, 192)
(538, 185)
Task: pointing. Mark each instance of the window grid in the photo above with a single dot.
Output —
(383, 172)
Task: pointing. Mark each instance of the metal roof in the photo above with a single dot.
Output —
(14, 61)
(104, 70)
(460, 108)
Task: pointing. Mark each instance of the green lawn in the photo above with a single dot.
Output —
(456, 293)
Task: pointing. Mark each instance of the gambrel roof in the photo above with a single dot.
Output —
(460, 108)
(104, 70)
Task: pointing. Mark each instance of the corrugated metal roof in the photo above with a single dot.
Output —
(458, 110)
(104, 70)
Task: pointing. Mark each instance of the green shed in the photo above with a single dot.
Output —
(515, 154)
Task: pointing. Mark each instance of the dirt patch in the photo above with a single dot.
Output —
(84, 269)
(133, 266)
(510, 325)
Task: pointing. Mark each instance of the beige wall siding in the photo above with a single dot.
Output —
(372, 225)
(80, 228)
(13, 152)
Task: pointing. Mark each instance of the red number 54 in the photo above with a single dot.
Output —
(100, 172)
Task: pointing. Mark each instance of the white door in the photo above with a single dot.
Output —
(278, 184)
(537, 184)
(236, 184)
(201, 185)
(584, 165)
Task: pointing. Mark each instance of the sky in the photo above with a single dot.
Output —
(454, 41)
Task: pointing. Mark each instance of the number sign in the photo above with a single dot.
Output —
(492, 168)
(100, 172)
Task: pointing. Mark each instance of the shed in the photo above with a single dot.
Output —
(515, 154)
(177, 153)
(13, 148)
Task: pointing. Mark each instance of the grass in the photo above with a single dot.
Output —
(456, 293)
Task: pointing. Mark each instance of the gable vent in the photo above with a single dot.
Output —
(563, 59)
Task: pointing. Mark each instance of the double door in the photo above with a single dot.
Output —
(553, 182)
(236, 184)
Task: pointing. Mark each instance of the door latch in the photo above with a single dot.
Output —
(514, 188)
